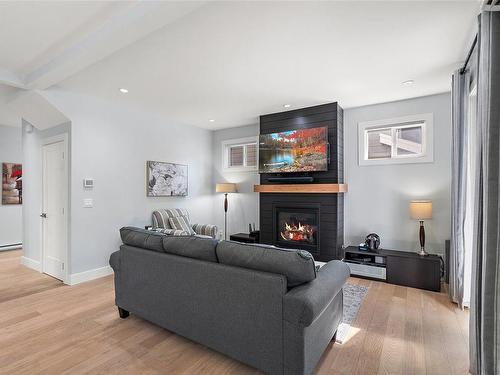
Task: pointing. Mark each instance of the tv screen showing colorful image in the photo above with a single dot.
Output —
(301, 150)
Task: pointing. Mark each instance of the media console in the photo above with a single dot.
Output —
(396, 267)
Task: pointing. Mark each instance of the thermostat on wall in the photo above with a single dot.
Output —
(88, 183)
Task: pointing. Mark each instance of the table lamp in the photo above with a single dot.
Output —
(421, 210)
(225, 188)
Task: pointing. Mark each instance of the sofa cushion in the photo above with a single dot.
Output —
(296, 265)
(180, 223)
(142, 238)
(191, 247)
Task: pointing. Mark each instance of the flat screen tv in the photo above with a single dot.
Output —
(300, 150)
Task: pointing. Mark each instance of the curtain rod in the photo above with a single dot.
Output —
(462, 71)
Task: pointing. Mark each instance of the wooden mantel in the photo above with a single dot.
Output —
(301, 188)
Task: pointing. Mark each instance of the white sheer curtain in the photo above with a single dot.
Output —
(460, 101)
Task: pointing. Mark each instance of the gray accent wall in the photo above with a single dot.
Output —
(10, 215)
(379, 195)
(243, 206)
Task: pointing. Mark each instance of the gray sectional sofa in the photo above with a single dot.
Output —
(267, 307)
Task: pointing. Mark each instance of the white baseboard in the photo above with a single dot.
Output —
(81, 277)
(11, 247)
(31, 263)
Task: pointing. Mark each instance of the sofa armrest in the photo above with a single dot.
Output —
(206, 230)
(114, 261)
(304, 303)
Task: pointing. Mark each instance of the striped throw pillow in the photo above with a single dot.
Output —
(180, 223)
(172, 232)
(206, 229)
(160, 217)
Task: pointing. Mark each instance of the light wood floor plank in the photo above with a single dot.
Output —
(50, 328)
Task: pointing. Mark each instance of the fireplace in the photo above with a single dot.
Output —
(295, 217)
(297, 227)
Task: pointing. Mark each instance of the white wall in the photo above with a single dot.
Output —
(10, 215)
(378, 196)
(32, 189)
(111, 144)
(243, 206)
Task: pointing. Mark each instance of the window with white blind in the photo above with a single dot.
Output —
(394, 141)
(240, 154)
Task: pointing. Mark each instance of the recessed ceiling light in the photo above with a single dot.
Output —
(211, 120)
(124, 91)
(408, 83)
(286, 105)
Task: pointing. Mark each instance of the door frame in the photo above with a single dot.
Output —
(66, 256)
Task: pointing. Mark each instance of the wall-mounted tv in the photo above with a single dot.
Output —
(300, 150)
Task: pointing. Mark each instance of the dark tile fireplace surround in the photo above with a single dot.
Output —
(309, 221)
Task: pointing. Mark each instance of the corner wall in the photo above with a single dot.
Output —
(10, 215)
(111, 144)
(243, 206)
(379, 195)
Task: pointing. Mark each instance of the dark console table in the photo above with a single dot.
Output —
(243, 237)
(396, 267)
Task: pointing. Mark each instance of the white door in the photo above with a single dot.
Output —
(54, 210)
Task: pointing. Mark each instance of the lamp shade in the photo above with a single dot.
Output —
(421, 210)
(225, 188)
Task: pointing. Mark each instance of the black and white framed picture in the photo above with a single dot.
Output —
(166, 179)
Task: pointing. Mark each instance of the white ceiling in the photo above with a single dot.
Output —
(233, 61)
(38, 30)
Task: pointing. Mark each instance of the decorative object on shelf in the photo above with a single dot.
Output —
(372, 241)
(225, 188)
(421, 210)
(166, 179)
(12, 183)
(255, 234)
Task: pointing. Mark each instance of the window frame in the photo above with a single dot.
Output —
(226, 146)
(427, 154)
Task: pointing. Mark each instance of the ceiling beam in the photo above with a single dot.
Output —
(11, 79)
(36, 109)
(124, 28)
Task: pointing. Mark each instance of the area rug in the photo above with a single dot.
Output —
(353, 298)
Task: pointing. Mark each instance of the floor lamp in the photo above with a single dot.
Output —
(225, 188)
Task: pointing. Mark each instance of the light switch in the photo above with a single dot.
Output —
(88, 203)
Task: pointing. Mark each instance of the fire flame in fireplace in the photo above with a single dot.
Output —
(298, 232)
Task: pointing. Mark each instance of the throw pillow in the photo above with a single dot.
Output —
(180, 223)
(172, 232)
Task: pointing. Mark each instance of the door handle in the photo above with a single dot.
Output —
(44, 215)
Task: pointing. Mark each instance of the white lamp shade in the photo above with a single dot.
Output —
(225, 188)
(421, 210)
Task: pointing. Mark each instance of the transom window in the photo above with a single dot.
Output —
(400, 140)
(240, 154)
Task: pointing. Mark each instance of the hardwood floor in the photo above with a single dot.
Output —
(49, 328)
